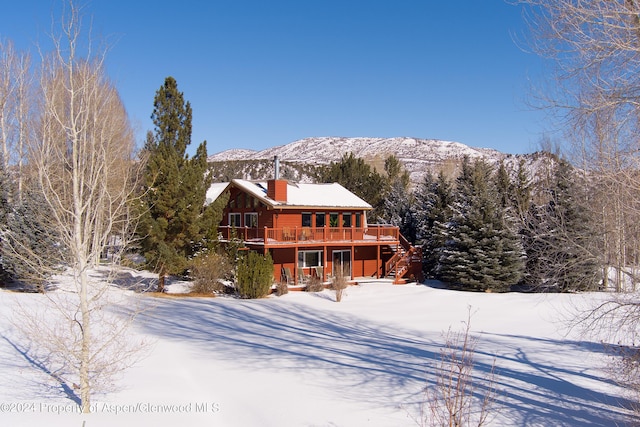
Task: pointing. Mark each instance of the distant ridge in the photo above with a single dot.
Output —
(322, 150)
(418, 156)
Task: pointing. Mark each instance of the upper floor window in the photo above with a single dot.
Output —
(234, 219)
(346, 219)
(251, 219)
(358, 220)
(306, 219)
(320, 222)
(333, 219)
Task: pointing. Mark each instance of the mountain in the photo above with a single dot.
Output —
(418, 156)
(327, 149)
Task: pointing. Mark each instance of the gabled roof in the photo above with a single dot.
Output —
(298, 195)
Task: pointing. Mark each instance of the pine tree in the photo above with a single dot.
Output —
(432, 210)
(521, 193)
(398, 199)
(357, 176)
(35, 251)
(481, 252)
(560, 238)
(176, 224)
(30, 247)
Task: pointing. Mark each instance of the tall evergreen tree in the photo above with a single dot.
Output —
(481, 251)
(357, 176)
(560, 238)
(176, 223)
(521, 193)
(432, 211)
(398, 200)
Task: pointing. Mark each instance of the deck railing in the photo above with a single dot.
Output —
(288, 235)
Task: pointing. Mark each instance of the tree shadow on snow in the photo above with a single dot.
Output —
(384, 364)
(42, 366)
(128, 280)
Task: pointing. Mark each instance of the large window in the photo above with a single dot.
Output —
(234, 220)
(309, 259)
(358, 219)
(251, 219)
(320, 219)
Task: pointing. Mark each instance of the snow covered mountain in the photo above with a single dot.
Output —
(323, 150)
(418, 156)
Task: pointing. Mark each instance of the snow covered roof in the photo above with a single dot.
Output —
(298, 195)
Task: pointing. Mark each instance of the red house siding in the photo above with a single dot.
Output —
(280, 232)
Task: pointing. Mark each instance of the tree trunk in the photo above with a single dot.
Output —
(85, 352)
(161, 278)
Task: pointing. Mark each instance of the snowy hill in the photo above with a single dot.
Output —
(418, 156)
(327, 149)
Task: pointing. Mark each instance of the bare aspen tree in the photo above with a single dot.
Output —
(83, 163)
(15, 106)
(594, 47)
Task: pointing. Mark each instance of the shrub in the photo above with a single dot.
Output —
(314, 285)
(339, 283)
(282, 288)
(208, 270)
(255, 275)
(454, 399)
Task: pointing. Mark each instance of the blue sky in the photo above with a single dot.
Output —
(263, 73)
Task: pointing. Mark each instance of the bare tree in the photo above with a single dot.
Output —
(15, 105)
(594, 47)
(595, 95)
(339, 281)
(83, 165)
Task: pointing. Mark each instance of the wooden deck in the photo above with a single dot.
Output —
(303, 236)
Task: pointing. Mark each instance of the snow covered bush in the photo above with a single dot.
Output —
(255, 275)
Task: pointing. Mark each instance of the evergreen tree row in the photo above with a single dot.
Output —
(489, 229)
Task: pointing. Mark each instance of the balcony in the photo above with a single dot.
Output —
(300, 236)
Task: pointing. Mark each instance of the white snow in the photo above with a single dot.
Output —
(304, 360)
(298, 194)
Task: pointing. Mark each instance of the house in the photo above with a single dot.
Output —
(310, 230)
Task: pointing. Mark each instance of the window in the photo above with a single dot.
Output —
(251, 219)
(309, 259)
(358, 219)
(247, 201)
(333, 219)
(234, 219)
(306, 219)
(320, 219)
(346, 219)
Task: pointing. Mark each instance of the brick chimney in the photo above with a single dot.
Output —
(277, 188)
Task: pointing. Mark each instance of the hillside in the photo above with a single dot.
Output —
(299, 158)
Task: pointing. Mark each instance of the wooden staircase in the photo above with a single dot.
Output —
(405, 264)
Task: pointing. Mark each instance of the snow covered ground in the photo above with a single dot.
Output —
(304, 360)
